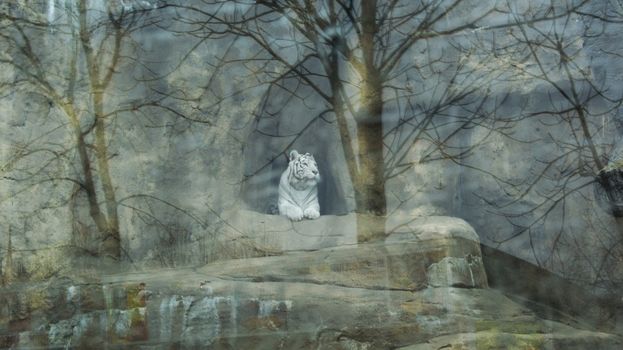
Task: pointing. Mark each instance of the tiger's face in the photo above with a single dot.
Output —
(304, 166)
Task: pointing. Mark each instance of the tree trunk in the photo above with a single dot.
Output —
(107, 225)
(366, 167)
(87, 172)
(110, 233)
(111, 238)
(7, 275)
(369, 183)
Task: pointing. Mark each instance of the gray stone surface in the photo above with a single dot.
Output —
(406, 292)
(457, 272)
(225, 314)
(277, 233)
(401, 262)
(412, 227)
(564, 338)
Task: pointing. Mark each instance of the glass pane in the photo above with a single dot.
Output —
(311, 174)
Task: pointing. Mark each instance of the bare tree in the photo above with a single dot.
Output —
(572, 113)
(66, 60)
(390, 72)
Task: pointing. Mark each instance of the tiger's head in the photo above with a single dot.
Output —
(303, 170)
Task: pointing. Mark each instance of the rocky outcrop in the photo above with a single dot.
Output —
(404, 261)
(411, 291)
(276, 233)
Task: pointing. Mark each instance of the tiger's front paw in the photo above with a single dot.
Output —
(311, 213)
(295, 214)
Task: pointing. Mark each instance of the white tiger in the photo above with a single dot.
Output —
(298, 188)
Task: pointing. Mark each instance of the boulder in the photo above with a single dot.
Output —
(276, 233)
(403, 261)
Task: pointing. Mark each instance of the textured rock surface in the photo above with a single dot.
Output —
(225, 314)
(371, 296)
(457, 272)
(428, 227)
(277, 233)
(401, 262)
(565, 338)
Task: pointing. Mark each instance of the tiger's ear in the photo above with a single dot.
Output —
(293, 155)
